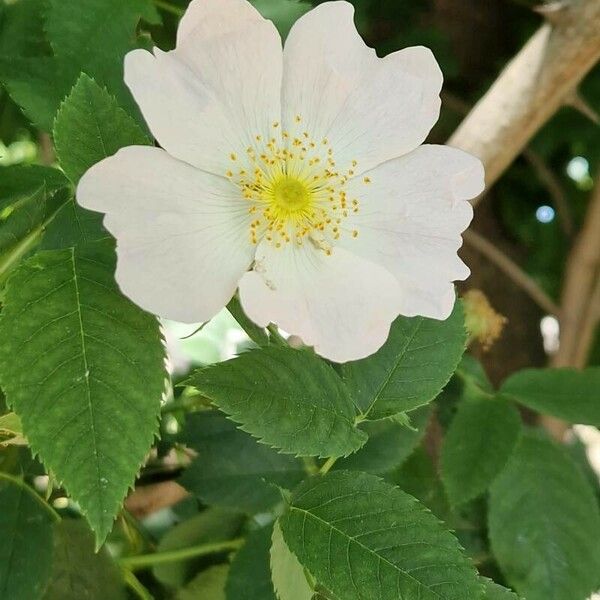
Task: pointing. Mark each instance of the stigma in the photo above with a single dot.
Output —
(295, 189)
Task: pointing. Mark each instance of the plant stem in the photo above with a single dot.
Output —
(327, 465)
(136, 586)
(257, 334)
(168, 7)
(142, 561)
(275, 337)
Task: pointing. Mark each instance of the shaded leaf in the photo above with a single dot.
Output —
(289, 399)
(389, 444)
(77, 571)
(411, 368)
(208, 585)
(26, 547)
(250, 572)
(83, 367)
(544, 524)
(364, 538)
(564, 393)
(477, 445)
(232, 469)
(211, 525)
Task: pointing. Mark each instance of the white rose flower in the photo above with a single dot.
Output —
(295, 175)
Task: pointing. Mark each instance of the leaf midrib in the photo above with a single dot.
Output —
(369, 550)
(87, 380)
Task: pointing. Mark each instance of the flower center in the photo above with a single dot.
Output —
(295, 189)
(290, 194)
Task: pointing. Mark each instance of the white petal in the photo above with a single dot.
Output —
(210, 96)
(410, 221)
(214, 17)
(182, 234)
(370, 109)
(340, 304)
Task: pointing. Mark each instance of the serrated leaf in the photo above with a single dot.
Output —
(211, 525)
(493, 591)
(564, 393)
(411, 368)
(250, 572)
(289, 399)
(477, 445)
(232, 469)
(79, 572)
(364, 538)
(287, 574)
(90, 126)
(208, 585)
(544, 524)
(83, 367)
(26, 534)
(389, 444)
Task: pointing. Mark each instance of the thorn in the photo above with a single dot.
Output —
(553, 12)
(579, 103)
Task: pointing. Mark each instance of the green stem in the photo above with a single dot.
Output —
(327, 465)
(136, 586)
(171, 8)
(147, 560)
(257, 334)
(275, 337)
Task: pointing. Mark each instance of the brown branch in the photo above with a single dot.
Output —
(512, 270)
(579, 290)
(580, 302)
(533, 86)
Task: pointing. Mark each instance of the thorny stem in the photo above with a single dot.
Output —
(142, 561)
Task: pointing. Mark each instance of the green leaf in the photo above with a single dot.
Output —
(544, 524)
(211, 525)
(90, 126)
(26, 534)
(364, 538)
(208, 585)
(389, 444)
(284, 13)
(17, 181)
(84, 369)
(21, 29)
(289, 399)
(411, 368)
(477, 445)
(79, 572)
(232, 469)
(37, 85)
(250, 573)
(73, 226)
(287, 574)
(74, 29)
(493, 591)
(418, 476)
(564, 393)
